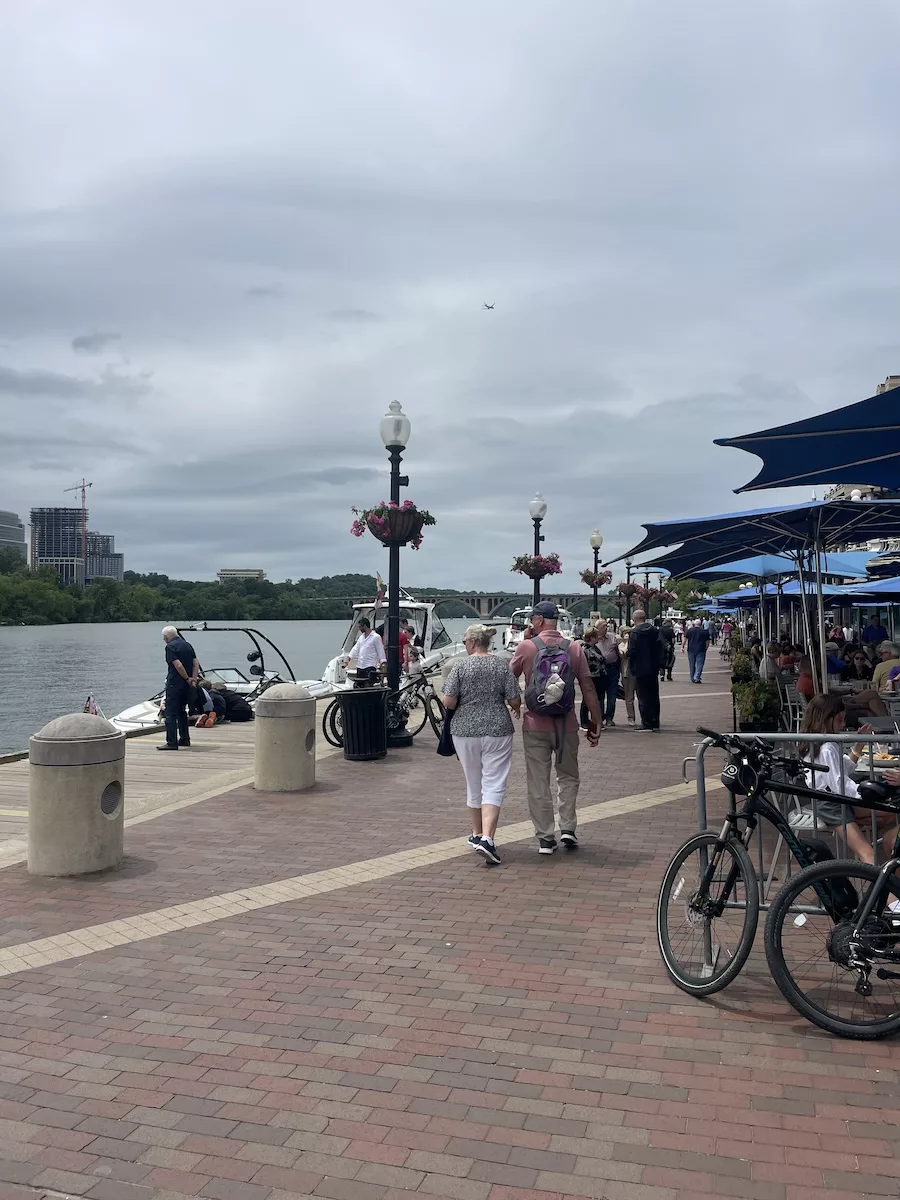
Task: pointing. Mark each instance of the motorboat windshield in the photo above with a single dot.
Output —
(428, 629)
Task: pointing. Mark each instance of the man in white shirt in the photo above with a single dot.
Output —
(368, 653)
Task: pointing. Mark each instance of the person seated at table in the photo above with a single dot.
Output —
(858, 666)
(834, 662)
(826, 714)
(874, 633)
(790, 656)
(756, 652)
(805, 685)
(889, 656)
(769, 668)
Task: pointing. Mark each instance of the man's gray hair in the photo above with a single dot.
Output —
(889, 648)
(169, 632)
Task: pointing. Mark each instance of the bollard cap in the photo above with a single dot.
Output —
(285, 700)
(76, 740)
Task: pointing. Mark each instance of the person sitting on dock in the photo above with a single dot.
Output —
(235, 706)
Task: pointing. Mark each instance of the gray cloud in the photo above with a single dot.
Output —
(685, 217)
(94, 343)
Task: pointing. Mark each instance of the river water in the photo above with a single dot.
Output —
(48, 670)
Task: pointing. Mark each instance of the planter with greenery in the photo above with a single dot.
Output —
(392, 524)
(741, 668)
(758, 706)
(537, 566)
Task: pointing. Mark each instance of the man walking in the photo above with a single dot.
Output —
(184, 671)
(697, 645)
(547, 659)
(646, 654)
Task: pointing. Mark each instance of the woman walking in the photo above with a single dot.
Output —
(477, 691)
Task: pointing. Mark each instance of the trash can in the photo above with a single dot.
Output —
(76, 797)
(364, 720)
(285, 740)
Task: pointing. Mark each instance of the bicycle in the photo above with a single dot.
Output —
(724, 884)
(419, 701)
(823, 955)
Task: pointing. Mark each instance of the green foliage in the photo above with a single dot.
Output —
(37, 598)
(757, 702)
(741, 667)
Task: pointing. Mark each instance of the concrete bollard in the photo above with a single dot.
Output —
(76, 797)
(285, 755)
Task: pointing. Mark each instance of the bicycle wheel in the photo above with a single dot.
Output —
(416, 712)
(435, 713)
(807, 950)
(705, 939)
(332, 725)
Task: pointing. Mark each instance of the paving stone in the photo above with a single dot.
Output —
(370, 1041)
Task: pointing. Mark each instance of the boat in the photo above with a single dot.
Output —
(520, 620)
(250, 684)
(429, 634)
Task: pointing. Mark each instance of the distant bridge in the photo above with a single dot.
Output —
(491, 604)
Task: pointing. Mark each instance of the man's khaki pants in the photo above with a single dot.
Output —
(540, 750)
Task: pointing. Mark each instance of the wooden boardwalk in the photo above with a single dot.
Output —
(219, 759)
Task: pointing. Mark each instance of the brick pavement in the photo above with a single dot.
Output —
(458, 1031)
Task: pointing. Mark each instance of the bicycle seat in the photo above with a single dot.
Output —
(878, 791)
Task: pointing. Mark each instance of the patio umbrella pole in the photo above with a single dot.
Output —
(820, 611)
(777, 608)
(806, 624)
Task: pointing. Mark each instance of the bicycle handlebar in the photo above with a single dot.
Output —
(730, 742)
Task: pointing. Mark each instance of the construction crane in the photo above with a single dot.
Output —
(82, 487)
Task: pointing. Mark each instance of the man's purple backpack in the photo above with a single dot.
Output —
(548, 661)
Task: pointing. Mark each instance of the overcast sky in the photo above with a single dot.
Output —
(232, 232)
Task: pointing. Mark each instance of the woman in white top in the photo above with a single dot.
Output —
(826, 714)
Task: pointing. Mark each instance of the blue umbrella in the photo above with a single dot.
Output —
(694, 564)
(798, 531)
(856, 444)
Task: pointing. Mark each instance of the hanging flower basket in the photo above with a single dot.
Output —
(626, 590)
(537, 566)
(393, 524)
(595, 579)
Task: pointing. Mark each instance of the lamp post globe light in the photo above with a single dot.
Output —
(596, 544)
(629, 563)
(537, 510)
(395, 430)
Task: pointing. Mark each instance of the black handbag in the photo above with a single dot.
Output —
(445, 745)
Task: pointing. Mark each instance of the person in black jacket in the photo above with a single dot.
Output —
(667, 633)
(646, 654)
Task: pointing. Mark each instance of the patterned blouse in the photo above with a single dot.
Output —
(483, 684)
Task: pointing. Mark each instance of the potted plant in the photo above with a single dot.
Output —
(741, 668)
(758, 706)
(537, 566)
(392, 524)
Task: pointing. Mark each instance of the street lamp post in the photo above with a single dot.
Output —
(538, 510)
(628, 565)
(395, 430)
(596, 543)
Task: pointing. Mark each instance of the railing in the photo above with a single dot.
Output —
(774, 862)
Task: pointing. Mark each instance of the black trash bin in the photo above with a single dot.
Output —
(364, 721)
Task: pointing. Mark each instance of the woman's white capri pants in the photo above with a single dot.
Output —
(485, 763)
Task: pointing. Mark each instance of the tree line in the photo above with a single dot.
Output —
(39, 598)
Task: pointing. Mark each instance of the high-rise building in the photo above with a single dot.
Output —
(892, 381)
(56, 541)
(102, 560)
(12, 533)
